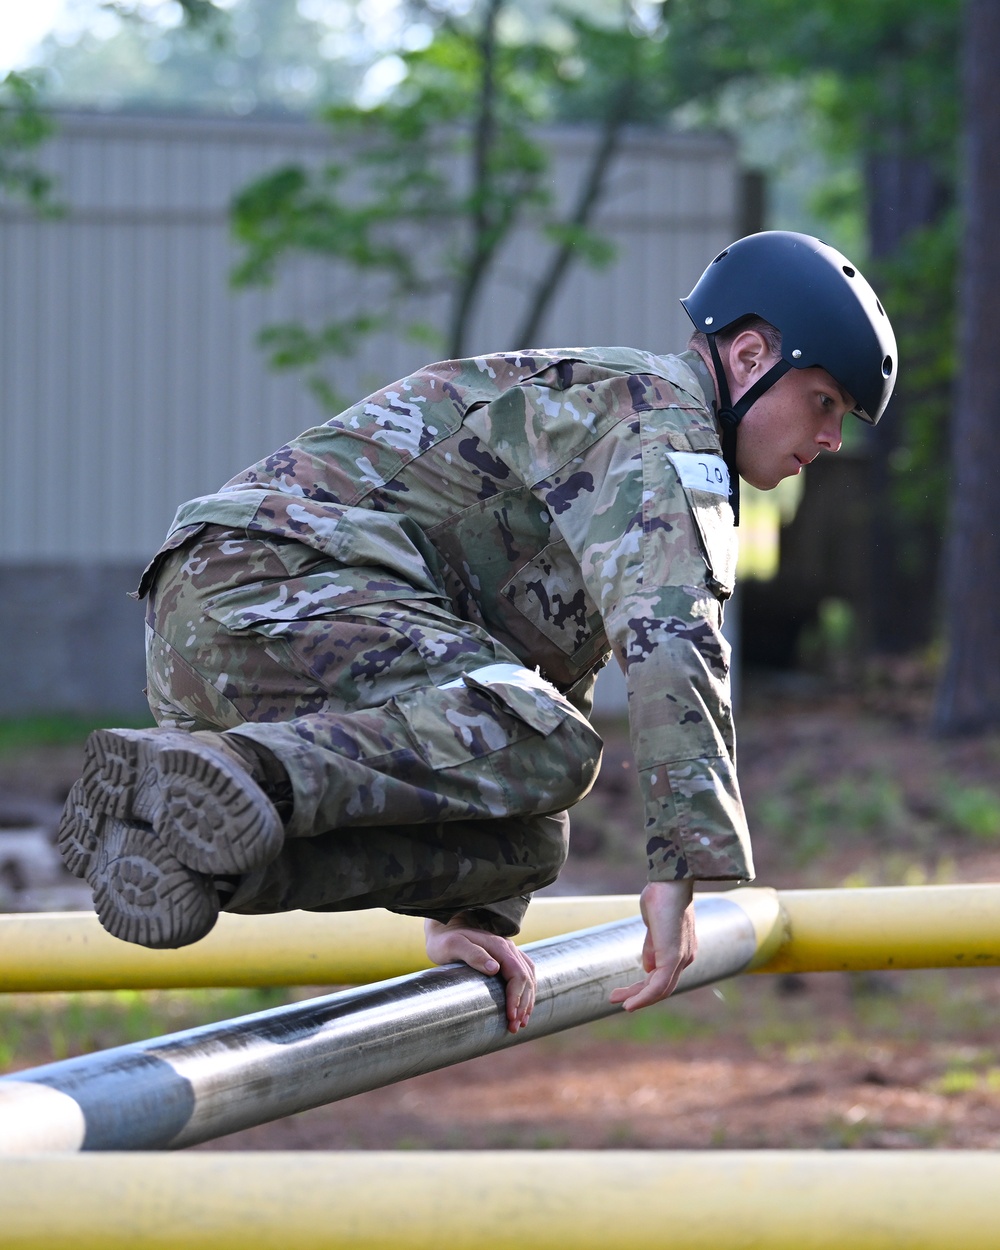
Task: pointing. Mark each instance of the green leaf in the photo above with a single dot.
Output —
(23, 129)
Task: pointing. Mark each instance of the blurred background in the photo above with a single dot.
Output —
(221, 220)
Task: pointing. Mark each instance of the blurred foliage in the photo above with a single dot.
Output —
(882, 79)
(810, 816)
(451, 145)
(263, 56)
(865, 82)
(23, 129)
(830, 645)
(921, 282)
(763, 513)
(880, 74)
(203, 17)
(196, 13)
(202, 12)
(905, 822)
(974, 810)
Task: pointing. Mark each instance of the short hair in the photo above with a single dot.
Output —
(769, 333)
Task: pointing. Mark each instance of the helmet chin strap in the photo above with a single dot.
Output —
(730, 415)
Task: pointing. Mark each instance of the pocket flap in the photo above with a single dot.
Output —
(177, 539)
(704, 477)
(549, 592)
(526, 695)
(269, 607)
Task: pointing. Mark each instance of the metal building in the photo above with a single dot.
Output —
(131, 378)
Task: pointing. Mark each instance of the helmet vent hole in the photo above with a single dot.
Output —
(721, 256)
(887, 367)
(849, 271)
(878, 305)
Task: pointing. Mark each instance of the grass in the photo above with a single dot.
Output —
(23, 733)
(952, 1009)
(974, 810)
(653, 1026)
(871, 809)
(808, 815)
(43, 1028)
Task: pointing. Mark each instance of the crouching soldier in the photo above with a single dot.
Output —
(371, 656)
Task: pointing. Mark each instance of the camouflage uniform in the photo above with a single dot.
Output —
(408, 606)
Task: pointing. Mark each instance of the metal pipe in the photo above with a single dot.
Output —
(506, 1200)
(206, 1082)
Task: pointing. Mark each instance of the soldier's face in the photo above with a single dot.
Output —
(800, 416)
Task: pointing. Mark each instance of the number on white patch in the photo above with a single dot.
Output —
(700, 470)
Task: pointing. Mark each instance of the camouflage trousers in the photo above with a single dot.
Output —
(430, 770)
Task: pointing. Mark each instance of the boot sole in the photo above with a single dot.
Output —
(205, 809)
(143, 894)
(155, 815)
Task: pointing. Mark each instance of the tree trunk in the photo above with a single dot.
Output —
(547, 286)
(904, 194)
(969, 695)
(485, 235)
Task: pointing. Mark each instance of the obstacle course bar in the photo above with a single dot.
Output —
(504, 1200)
(206, 1082)
(70, 951)
(940, 926)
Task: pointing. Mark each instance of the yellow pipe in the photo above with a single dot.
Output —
(506, 1200)
(70, 950)
(940, 926)
(927, 926)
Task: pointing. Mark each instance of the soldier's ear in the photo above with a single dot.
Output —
(749, 357)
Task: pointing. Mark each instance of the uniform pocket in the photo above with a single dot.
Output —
(452, 726)
(525, 694)
(186, 534)
(550, 594)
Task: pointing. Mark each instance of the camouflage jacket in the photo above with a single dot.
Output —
(574, 503)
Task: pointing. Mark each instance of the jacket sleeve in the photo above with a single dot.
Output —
(657, 559)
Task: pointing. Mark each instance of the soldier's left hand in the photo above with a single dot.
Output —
(459, 942)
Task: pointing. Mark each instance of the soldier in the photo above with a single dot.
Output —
(371, 656)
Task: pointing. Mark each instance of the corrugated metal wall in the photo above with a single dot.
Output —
(130, 376)
(131, 380)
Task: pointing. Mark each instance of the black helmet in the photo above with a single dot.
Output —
(827, 313)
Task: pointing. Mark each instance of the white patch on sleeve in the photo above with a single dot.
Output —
(700, 470)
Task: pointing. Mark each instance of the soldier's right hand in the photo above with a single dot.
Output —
(671, 943)
(460, 942)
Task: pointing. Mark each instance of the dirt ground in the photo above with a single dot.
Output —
(840, 790)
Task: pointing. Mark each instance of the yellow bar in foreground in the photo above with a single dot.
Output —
(504, 1200)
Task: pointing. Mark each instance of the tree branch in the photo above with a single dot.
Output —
(591, 191)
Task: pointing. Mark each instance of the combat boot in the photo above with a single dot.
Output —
(157, 816)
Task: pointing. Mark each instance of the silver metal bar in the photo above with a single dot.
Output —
(202, 1083)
